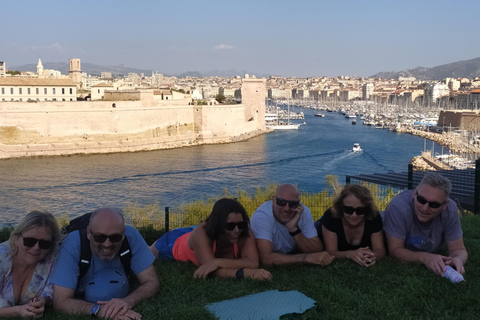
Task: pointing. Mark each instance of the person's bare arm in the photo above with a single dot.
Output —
(209, 263)
(458, 253)
(63, 300)
(434, 262)
(269, 257)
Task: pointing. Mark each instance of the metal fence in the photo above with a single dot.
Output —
(465, 192)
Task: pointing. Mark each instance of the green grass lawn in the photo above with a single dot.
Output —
(342, 290)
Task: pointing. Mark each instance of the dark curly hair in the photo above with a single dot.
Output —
(362, 194)
(215, 223)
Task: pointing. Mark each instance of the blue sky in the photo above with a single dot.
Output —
(287, 38)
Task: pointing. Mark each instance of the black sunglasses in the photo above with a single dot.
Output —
(350, 210)
(101, 238)
(431, 204)
(31, 242)
(229, 226)
(291, 203)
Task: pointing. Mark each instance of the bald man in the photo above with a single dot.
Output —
(285, 232)
(104, 290)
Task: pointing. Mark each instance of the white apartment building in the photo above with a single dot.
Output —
(367, 91)
(275, 93)
(3, 70)
(434, 91)
(35, 89)
(97, 90)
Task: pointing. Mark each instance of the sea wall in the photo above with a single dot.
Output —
(82, 127)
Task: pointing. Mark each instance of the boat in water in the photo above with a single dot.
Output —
(356, 147)
(319, 115)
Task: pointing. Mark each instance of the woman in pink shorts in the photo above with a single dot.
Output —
(223, 245)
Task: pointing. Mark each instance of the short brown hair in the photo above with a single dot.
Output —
(362, 194)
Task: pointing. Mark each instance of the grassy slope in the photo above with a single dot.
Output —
(343, 290)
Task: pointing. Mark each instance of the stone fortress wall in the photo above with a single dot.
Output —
(85, 127)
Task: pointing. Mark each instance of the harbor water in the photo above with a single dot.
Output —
(322, 146)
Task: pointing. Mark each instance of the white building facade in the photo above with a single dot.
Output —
(34, 89)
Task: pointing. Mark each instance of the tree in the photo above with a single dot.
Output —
(13, 73)
(220, 98)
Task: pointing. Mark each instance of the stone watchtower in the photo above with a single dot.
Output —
(75, 72)
(253, 99)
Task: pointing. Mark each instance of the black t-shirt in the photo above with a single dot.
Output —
(335, 225)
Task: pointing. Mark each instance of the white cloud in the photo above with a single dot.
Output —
(224, 47)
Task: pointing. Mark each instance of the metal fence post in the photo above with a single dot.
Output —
(347, 179)
(410, 177)
(167, 219)
(476, 192)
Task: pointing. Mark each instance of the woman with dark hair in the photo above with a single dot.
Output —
(352, 228)
(223, 244)
(26, 262)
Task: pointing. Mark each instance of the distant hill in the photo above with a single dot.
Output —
(93, 69)
(461, 69)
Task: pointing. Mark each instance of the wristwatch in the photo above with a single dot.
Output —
(94, 310)
(239, 274)
(294, 233)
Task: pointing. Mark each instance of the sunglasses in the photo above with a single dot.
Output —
(229, 226)
(350, 210)
(431, 204)
(31, 242)
(291, 203)
(101, 238)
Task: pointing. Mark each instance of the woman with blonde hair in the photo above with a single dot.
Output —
(352, 228)
(26, 262)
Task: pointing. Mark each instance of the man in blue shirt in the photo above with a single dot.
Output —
(108, 299)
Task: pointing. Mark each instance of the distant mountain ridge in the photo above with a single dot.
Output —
(461, 69)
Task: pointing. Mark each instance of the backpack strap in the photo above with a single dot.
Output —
(126, 256)
(85, 254)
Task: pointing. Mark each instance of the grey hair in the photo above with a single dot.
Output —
(436, 180)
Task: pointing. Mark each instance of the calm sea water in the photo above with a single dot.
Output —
(322, 146)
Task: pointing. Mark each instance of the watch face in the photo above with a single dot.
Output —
(95, 309)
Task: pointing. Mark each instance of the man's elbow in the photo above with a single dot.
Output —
(266, 260)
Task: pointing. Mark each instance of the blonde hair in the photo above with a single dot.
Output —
(32, 220)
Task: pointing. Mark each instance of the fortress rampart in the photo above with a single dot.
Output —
(84, 127)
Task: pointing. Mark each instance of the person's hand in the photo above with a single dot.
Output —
(130, 314)
(292, 224)
(259, 274)
(205, 269)
(363, 256)
(37, 305)
(110, 309)
(436, 262)
(27, 311)
(321, 258)
(457, 264)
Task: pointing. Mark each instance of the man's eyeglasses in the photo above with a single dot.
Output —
(101, 238)
(31, 242)
(350, 210)
(431, 204)
(229, 226)
(291, 203)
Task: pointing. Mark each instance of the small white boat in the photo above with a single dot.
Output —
(319, 115)
(356, 147)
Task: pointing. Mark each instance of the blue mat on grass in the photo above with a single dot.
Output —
(268, 305)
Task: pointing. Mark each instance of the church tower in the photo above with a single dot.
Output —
(75, 72)
(39, 68)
